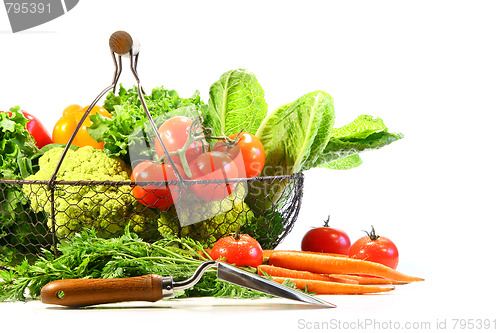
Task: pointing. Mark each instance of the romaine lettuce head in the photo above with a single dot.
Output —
(299, 136)
(236, 103)
(295, 134)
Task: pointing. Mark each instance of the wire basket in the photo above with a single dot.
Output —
(45, 212)
(269, 221)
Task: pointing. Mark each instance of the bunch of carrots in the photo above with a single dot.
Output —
(327, 273)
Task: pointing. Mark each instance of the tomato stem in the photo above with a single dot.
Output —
(199, 133)
(227, 140)
(237, 233)
(373, 236)
(326, 222)
(223, 138)
(193, 136)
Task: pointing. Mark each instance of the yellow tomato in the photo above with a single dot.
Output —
(67, 124)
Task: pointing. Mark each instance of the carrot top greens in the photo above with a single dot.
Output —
(88, 256)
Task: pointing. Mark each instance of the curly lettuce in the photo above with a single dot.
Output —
(20, 228)
(128, 129)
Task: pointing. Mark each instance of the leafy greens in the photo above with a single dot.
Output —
(236, 103)
(299, 136)
(128, 129)
(88, 256)
(295, 134)
(18, 159)
(363, 134)
(17, 146)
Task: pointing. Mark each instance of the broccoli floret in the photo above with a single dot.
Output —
(107, 208)
(227, 216)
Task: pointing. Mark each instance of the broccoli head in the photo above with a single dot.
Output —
(107, 208)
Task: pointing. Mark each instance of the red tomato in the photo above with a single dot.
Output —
(326, 239)
(156, 195)
(240, 250)
(214, 165)
(36, 129)
(174, 133)
(248, 153)
(375, 248)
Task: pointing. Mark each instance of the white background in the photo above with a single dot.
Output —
(430, 69)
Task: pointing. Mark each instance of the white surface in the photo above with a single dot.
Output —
(430, 69)
(417, 307)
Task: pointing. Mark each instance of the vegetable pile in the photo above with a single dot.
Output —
(22, 140)
(127, 133)
(332, 274)
(107, 208)
(366, 267)
(120, 178)
(89, 256)
(232, 137)
(371, 247)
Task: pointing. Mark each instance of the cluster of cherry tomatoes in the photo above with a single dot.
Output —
(371, 247)
(191, 157)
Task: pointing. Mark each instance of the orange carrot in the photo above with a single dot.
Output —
(326, 254)
(341, 279)
(267, 253)
(290, 273)
(322, 264)
(366, 279)
(204, 255)
(329, 288)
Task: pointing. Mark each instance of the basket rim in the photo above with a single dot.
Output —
(168, 182)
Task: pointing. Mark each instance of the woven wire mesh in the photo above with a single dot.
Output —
(39, 217)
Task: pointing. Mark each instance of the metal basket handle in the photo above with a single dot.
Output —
(121, 44)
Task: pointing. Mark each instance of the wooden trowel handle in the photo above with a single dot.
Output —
(85, 292)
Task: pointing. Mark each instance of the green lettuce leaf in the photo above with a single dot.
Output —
(128, 131)
(236, 103)
(362, 127)
(17, 145)
(344, 163)
(363, 134)
(20, 232)
(295, 134)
